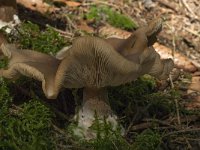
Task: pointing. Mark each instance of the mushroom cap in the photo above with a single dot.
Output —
(90, 62)
(33, 64)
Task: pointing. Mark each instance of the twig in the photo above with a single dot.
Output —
(141, 126)
(168, 4)
(70, 23)
(183, 131)
(172, 84)
(171, 81)
(149, 124)
(177, 112)
(64, 33)
(162, 123)
(192, 31)
(190, 119)
(188, 143)
(192, 139)
(174, 76)
(101, 2)
(167, 122)
(59, 130)
(189, 9)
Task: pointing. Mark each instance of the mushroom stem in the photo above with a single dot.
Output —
(95, 95)
(95, 102)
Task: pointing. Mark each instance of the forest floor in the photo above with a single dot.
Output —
(169, 117)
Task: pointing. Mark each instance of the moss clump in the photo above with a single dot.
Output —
(32, 37)
(26, 128)
(5, 100)
(111, 16)
(125, 99)
(139, 99)
(3, 63)
(159, 104)
(148, 140)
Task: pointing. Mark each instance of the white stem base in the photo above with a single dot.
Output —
(95, 105)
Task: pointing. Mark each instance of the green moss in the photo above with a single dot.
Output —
(5, 99)
(28, 128)
(111, 16)
(159, 104)
(148, 140)
(3, 63)
(139, 99)
(125, 99)
(46, 41)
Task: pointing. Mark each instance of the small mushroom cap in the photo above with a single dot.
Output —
(33, 64)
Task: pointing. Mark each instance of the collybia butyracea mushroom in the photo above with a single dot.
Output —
(91, 63)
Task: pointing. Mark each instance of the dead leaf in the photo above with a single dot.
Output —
(181, 61)
(69, 3)
(195, 85)
(83, 26)
(37, 5)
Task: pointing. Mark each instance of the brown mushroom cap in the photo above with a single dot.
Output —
(32, 64)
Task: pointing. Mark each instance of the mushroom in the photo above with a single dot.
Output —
(90, 63)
